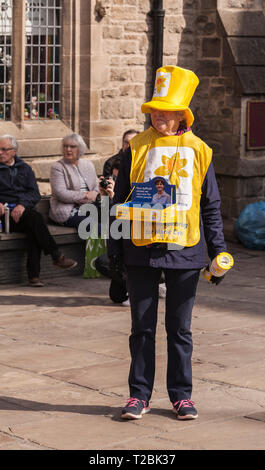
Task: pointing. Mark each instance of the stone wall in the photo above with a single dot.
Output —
(196, 36)
(121, 63)
(246, 4)
(240, 171)
(216, 105)
(121, 68)
(107, 75)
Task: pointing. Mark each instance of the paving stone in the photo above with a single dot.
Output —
(13, 443)
(79, 431)
(65, 362)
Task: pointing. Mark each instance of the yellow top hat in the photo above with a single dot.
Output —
(174, 89)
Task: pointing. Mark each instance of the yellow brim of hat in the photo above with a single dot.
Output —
(165, 106)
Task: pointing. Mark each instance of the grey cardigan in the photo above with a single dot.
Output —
(65, 185)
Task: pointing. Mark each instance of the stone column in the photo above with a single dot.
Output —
(18, 63)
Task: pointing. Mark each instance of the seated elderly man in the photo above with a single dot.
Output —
(19, 189)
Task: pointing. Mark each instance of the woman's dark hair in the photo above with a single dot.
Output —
(115, 165)
(130, 131)
(160, 179)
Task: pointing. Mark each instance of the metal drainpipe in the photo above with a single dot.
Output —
(158, 15)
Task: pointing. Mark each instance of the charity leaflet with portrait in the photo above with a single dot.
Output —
(148, 198)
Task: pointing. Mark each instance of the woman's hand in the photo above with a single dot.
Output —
(88, 196)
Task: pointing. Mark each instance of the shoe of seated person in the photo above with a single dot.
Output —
(135, 409)
(65, 263)
(35, 282)
(184, 409)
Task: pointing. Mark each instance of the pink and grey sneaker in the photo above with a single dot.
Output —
(185, 409)
(134, 409)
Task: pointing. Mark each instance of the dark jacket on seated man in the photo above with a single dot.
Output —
(19, 189)
(18, 184)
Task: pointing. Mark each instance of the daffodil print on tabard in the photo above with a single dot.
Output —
(162, 84)
(173, 167)
(176, 166)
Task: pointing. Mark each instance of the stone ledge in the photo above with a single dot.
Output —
(14, 258)
(248, 51)
(42, 169)
(42, 166)
(53, 229)
(229, 166)
(252, 79)
(243, 23)
(244, 46)
(18, 243)
(44, 188)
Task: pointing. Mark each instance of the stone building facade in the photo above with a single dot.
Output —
(107, 73)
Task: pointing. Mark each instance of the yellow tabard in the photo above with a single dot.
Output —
(183, 161)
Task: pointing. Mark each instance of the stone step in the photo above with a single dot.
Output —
(42, 168)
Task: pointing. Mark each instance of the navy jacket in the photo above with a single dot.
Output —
(18, 184)
(211, 229)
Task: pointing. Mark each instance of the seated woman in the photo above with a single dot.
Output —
(73, 182)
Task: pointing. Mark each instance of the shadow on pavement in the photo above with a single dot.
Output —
(16, 404)
(52, 301)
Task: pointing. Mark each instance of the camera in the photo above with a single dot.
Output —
(104, 183)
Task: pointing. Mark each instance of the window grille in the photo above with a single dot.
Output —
(5, 58)
(43, 52)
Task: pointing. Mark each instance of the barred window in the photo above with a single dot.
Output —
(43, 43)
(42, 31)
(5, 59)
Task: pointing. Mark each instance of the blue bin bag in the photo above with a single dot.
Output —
(250, 226)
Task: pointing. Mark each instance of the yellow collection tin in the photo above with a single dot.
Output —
(219, 266)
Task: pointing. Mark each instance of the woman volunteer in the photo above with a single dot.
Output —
(168, 149)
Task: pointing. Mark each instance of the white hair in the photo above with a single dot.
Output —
(13, 140)
(78, 140)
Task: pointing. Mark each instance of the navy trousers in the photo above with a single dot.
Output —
(142, 286)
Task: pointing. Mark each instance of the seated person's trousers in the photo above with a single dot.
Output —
(38, 239)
